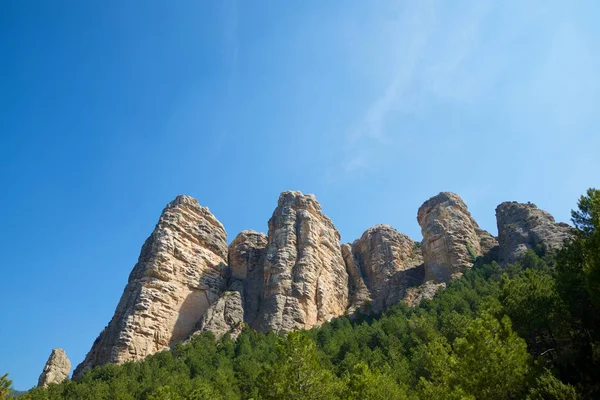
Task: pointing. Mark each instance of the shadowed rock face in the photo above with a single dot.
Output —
(451, 237)
(246, 261)
(226, 315)
(358, 293)
(179, 274)
(524, 226)
(386, 259)
(305, 280)
(56, 370)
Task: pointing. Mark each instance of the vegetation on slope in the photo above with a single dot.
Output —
(528, 330)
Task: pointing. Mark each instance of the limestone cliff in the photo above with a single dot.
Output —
(56, 370)
(226, 315)
(388, 261)
(451, 237)
(187, 280)
(305, 279)
(246, 261)
(180, 273)
(524, 226)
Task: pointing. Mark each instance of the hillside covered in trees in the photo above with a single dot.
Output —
(529, 330)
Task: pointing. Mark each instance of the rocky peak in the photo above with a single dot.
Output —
(305, 280)
(523, 226)
(451, 237)
(180, 273)
(56, 370)
(388, 261)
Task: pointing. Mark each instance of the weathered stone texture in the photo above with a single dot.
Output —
(523, 226)
(414, 295)
(385, 258)
(246, 261)
(56, 370)
(179, 274)
(358, 293)
(305, 279)
(451, 237)
(226, 315)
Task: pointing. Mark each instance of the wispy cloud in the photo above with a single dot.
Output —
(433, 51)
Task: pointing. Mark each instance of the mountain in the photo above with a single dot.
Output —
(295, 314)
(298, 275)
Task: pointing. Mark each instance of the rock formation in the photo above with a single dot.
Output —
(188, 281)
(358, 293)
(524, 226)
(56, 370)
(305, 279)
(414, 295)
(451, 237)
(179, 275)
(246, 258)
(387, 261)
(226, 315)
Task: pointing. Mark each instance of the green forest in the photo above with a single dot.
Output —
(529, 330)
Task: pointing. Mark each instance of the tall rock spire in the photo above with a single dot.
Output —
(56, 370)
(180, 272)
(305, 279)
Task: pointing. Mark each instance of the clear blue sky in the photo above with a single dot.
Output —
(109, 109)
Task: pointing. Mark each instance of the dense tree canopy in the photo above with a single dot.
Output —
(527, 330)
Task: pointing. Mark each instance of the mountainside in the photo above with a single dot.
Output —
(294, 314)
(187, 281)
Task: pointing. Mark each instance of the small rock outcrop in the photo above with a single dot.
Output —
(180, 273)
(523, 226)
(414, 295)
(246, 262)
(305, 279)
(226, 315)
(56, 370)
(451, 237)
(387, 261)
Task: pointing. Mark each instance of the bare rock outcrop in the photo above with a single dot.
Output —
(226, 315)
(388, 261)
(305, 279)
(427, 290)
(358, 293)
(56, 370)
(180, 273)
(451, 237)
(246, 262)
(523, 226)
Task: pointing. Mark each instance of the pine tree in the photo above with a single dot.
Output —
(5, 386)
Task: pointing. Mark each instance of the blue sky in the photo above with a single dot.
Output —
(112, 108)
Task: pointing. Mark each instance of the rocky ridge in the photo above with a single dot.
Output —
(56, 370)
(188, 281)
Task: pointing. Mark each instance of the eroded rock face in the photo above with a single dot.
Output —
(305, 279)
(246, 261)
(358, 293)
(523, 226)
(388, 261)
(180, 273)
(427, 290)
(56, 370)
(451, 237)
(226, 315)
